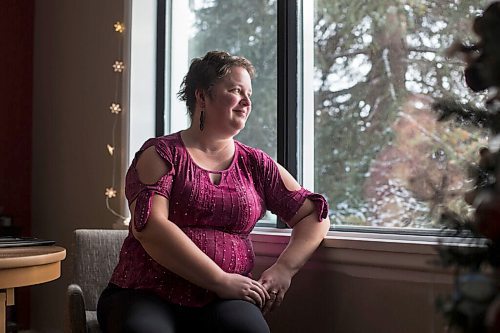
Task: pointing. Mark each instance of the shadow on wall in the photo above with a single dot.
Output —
(321, 300)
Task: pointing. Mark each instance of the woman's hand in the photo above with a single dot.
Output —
(276, 279)
(236, 286)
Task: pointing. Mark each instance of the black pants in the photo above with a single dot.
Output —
(134, 311)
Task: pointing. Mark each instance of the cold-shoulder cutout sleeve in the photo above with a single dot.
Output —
(320, 204)
(142, 193)
(279, 199)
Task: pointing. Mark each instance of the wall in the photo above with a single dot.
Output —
(16, 57)
(74, 49)
(356, 286)
(328, 301)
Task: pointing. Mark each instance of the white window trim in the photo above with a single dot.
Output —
(142, 74)
(178, 66)
(307, 49)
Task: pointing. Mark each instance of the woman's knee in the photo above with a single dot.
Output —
(134, 311)
(147, 317)
(239, 316)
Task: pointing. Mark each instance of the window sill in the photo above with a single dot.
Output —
(375, 256)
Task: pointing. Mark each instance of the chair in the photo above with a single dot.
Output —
(95, 255)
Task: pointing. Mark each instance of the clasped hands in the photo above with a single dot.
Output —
(267, 292)
(276, 280)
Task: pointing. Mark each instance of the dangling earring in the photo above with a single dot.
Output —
(202, 120)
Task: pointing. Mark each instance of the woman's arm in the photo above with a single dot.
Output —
(306, 236)
(168, 245)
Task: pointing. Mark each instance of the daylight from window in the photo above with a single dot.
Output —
(371, 71)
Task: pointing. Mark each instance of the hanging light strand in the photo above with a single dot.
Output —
(116, 110)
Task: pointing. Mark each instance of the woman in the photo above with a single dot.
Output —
(195, 196)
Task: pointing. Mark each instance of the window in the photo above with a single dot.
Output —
(342, 97)
(380, 155)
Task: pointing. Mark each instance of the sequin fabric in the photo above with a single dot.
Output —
(217, 218)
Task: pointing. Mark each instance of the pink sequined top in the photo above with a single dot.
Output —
(217, 218)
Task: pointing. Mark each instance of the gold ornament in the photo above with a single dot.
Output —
(119, 27)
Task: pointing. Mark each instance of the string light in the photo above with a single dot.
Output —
(119, 27)
(111, 149)
(110, 192)
(118, 66)
(116, 109)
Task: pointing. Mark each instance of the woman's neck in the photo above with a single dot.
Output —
(206, 141)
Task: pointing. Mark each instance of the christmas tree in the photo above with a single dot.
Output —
(474, 305)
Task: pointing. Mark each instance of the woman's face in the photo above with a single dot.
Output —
(228, 105)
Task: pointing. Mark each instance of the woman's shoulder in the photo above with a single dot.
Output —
(252, 154)
(168, 140)
(248, 150)
(165, 145)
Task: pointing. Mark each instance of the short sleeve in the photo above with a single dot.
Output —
(142, 193)
(281, 201)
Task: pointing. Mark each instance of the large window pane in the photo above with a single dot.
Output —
(241, 27)
(380, 156)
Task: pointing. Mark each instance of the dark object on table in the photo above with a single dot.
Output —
(9, 241)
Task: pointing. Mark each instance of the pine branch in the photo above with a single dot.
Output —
(463, 114)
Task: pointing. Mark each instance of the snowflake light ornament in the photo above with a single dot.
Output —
(119, 27)
(115, 108)
(118, 66)
(110, 192)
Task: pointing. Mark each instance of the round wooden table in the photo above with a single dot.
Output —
(26, 266)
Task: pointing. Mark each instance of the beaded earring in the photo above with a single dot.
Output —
(202, 120)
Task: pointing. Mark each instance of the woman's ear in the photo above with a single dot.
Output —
(200, 97)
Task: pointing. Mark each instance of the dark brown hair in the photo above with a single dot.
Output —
(205, 72)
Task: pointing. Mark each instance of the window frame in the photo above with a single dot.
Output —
(291, 96)
(289, 85)
(289, 105)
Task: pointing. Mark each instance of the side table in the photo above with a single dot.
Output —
(26, 266)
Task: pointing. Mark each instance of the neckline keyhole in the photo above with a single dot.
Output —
(215, 178)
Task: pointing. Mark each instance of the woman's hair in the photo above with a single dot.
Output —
(205, 72)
